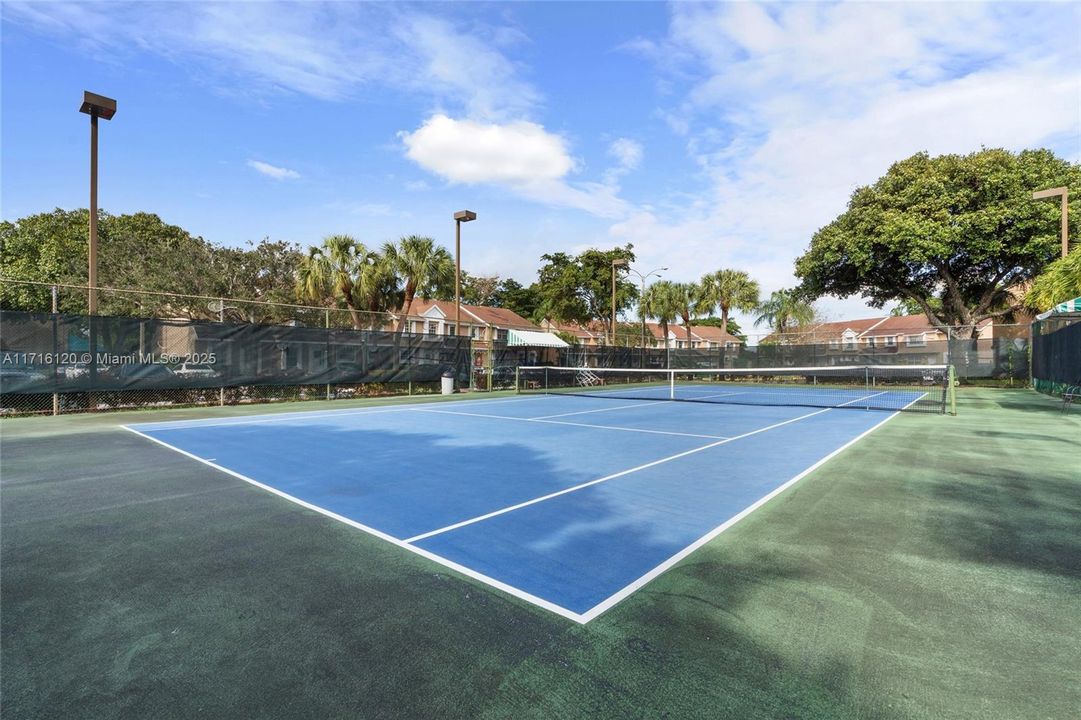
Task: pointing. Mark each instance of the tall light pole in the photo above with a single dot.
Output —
(619, 262)
(95, 106)
(1065, 193)
(641, 313)
(459, 217)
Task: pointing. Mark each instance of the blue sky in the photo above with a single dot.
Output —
(708, 135)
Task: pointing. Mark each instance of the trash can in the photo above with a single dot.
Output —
(447, 383)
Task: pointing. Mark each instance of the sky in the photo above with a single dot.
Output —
(708, 135)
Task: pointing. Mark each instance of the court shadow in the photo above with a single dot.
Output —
(996, 516)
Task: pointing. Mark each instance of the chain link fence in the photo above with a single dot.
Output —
(189, 350)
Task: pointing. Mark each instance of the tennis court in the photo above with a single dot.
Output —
(570, 502)
(928, 569)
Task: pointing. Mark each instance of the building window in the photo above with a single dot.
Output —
(451, 329)
(915, 340)
(870, 342)
(433, 327)
(478, 333)
(501, 335)
(835, 344)
(891, 341)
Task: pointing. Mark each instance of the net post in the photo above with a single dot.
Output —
(517, 380)
(56, 346)
(951, 392)
(671, 384)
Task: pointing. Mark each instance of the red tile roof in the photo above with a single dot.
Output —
(714, 334)
(474, 314)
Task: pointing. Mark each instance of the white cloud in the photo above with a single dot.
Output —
(327, 51)
(456, 65)
(793, 106)
(472, 152)
(627, 152)
(520, 156)
(273, 171)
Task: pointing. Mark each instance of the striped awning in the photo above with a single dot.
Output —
(1070, 306)
(533, 338)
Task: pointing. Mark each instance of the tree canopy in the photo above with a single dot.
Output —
(579, 288)
(954, 234)
(136, 251)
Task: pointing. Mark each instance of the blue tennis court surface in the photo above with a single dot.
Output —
(568, 502)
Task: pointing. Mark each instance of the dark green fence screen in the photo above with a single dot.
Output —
(47, 353)
(1056, 354)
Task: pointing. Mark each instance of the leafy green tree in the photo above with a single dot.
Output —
(1061, 281)
(138, 252)
(264, 272)
(728, 290)
(479, 289)
(579, 288)
(662, 301)
(525, 301)
(960, 229)
(425, 268)
(784, 311)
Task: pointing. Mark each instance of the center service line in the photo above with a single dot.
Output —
(606, 478)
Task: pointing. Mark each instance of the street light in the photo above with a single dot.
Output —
(1065, 193)
(641, 313)
(95, 106)
(459, 217)
(620, 262)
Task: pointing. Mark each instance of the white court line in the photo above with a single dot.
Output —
(606, 478)
(617, 597)
(308, 414)
(603, 409)
(572, 424)
(509, 589)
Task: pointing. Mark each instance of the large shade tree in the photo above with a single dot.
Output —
(159, 268)
(957, 235)
(579, 288)
(727, 290)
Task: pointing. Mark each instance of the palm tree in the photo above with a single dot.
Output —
(377, 286)
(689, 295)
(662, 301)
(423, 265)
(330, 273)
(729, 290)
(784, 309)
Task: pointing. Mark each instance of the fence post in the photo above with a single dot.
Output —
(326, 323)
(221, 319)
(56, 348)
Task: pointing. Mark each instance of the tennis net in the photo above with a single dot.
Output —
(926, 388)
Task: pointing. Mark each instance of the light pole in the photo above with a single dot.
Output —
(641, 313)
(1065, 193)
(95, 106)
(459, 217)
(619, 262)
